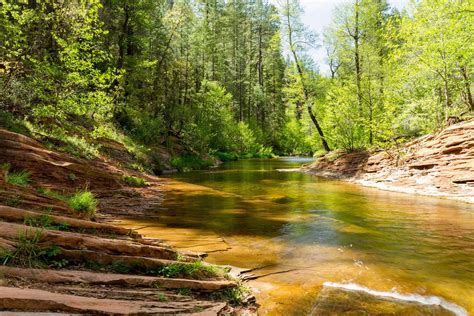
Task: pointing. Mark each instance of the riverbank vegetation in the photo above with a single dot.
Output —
(231, 79)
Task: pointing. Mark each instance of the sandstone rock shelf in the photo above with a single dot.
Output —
(72, 264)
(438, 165)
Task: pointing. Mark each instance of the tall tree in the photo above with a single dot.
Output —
(291, 11)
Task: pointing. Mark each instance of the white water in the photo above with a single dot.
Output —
(424, 300)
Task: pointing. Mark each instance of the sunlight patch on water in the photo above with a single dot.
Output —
(424, 300)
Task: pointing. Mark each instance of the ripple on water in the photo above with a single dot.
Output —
(336, 298)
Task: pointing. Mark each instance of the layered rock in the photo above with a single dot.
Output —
(439, 165)
(76, 260)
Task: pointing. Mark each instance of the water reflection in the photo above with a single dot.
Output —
(253, 215)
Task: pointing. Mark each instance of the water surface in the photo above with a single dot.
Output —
(323, 247)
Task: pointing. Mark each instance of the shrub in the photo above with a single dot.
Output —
(223, 156)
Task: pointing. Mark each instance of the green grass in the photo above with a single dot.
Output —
(9, 122)
(83, 202)
(14, 201)
(196, 269)
(233, 296)
(27, 252)
(161, 297)
(20, 178)
(45, 221)
(185, 292)
(135, 181)
(120, 267)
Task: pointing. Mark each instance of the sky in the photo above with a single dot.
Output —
(318, 15)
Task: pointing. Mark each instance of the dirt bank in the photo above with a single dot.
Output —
(440, 165)
(56, 258)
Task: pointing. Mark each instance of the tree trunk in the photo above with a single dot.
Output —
(305, 89)
(357, 56)
(467, 87)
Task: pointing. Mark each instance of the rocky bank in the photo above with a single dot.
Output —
(440, 165)
(63, 262)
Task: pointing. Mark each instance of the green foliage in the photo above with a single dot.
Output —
(27, 252)
(233, 295)
(296, 138)
(190, 162)
(135, 181)
(196, 270)
(161, 297)
(83, 202)
(210, 77)
(224, 156)
(44, 221)
(120, 267)
(10, 122)
(185, 292)
(21, 178)
(14, 201)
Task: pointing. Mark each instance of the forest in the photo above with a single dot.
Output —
(234, 78)
(221, 157)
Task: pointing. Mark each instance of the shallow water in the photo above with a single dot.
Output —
(323, 247)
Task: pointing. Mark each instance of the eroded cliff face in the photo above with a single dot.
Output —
(438, 165)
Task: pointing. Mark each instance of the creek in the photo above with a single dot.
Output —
(320, 246)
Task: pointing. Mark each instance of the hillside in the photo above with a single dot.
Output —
(439, 164)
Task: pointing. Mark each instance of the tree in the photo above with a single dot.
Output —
(291, 11)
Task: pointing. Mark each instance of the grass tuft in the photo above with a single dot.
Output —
(135, 181)
(196, 269)
(27, 252)
(21, 178)
(185, 291)
(44, 221)
(84, 202)
(233, 296)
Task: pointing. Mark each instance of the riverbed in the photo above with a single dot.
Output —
(319, 246)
